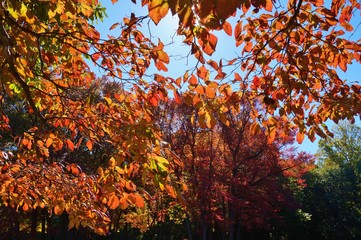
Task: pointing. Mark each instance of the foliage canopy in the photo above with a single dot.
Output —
(87, 142)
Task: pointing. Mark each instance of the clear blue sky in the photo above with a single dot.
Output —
(225, 48)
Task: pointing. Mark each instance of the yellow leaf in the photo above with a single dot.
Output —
(162, 163)
(86, 9)
(112, 162)
(60, 7)
(51, 13)
(108, 100)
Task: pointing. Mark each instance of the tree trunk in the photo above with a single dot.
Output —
(34, 223)
(49, 227)
(238, 230)
(64, 226)
(231, 223)
(204, 231)
(189, 228)
(15, 226)
(43, 224)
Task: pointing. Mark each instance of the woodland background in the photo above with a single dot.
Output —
(101, 139)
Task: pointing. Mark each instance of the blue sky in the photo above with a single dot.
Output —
(225, 49)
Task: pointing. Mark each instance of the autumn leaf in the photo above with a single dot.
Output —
(300, 136)
(170, 190)
(70, 144)
(347, 26)
(89, 144)
(227, 28)
(202, 72)
(271, 135)
(193, 80)
(113, 202)
(58, 209)
(48, 142)
(158, 9)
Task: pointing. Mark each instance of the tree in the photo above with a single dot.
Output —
(288, 58)
(236, 181)
(330, 198)
(344, 149)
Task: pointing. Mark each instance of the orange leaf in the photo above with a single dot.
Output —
(238, 30)
(70, 144)
(347, 26)
(227, 28)
(271, 135)
(48, 142)
(202, 72)
(210, 92)
(163, 56)
(123, 203)
(255, 128)
(154, 101)
(113, 202)
(89, 145)
(139, 201)
(193, 80)
(158, 9)
(114, 26)
(248, 47)
(269, 5)
(318, 3)
(300, 136)
(342, 64)
(58, 210)
(177, 98)
(25, 207)
(170, 190)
